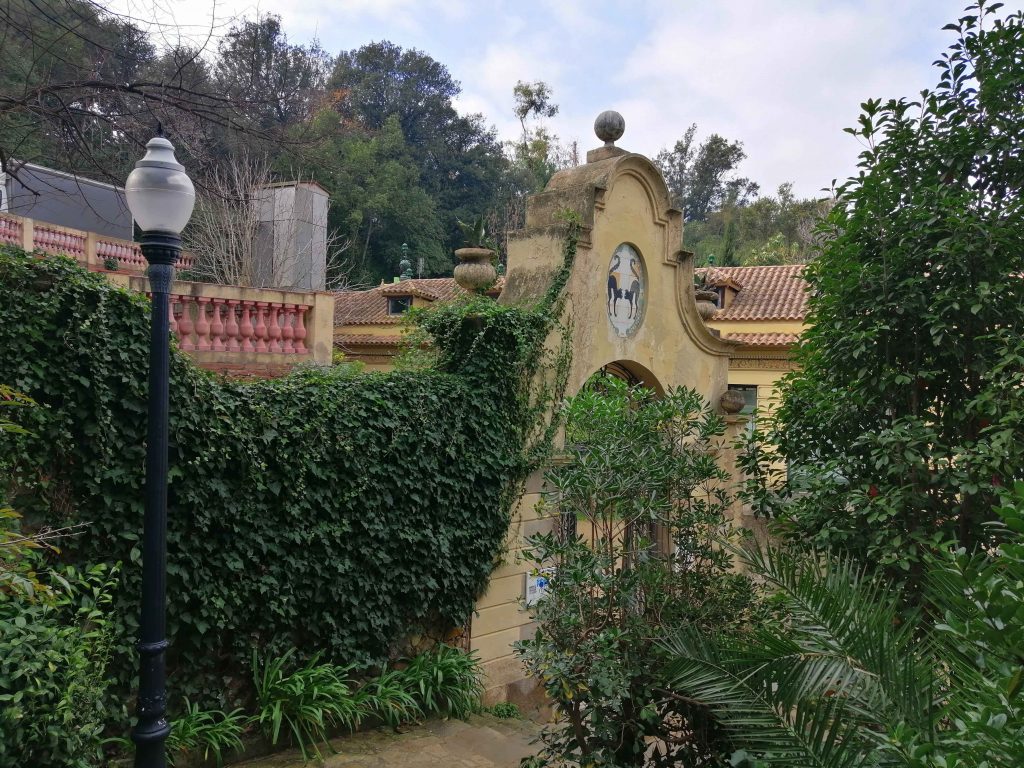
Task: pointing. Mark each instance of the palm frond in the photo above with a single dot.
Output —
(823, 688)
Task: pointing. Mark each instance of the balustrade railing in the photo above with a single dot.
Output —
(10, 231)
(92, 249)
(127, 255)
(215, 324)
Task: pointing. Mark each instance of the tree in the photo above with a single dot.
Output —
(378, 201)
(901, 424)
(458, 160)
(700, 177)
(276, 82)
(81, 89)
(533, 99)
(632, 555)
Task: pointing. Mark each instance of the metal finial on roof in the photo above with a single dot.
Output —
(609, 127)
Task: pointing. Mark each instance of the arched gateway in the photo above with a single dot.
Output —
(631, 312)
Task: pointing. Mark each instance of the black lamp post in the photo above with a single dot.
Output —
(160, 197)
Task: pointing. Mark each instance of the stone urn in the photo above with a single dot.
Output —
(706, 303)
(731, 401)
(475, 270)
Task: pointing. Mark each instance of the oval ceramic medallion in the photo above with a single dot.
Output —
(627, 290)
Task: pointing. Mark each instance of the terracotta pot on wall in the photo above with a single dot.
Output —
(706, 303)
(475, 272)
(731, 401)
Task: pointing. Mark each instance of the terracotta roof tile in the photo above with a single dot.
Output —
(718, 276)
(371, 307)
(366, 340)
(763, 339)
(767, 293)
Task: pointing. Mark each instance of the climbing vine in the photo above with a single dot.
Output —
(326, 511)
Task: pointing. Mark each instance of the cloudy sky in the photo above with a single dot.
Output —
(783, 76)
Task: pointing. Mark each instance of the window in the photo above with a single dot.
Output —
(399, 304)
(749, 392)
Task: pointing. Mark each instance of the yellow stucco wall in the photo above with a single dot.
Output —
(759, 367)
(619, 199)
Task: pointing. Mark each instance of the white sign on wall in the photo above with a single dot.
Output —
(537, 585)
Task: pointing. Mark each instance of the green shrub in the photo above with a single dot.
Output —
(647, 558)
(210, 732)
(321, 511)
(387, 697)
(445, 681)
(307, 703)
(506, 710)
(54, 654)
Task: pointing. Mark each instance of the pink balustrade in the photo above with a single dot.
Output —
(93, 250)
(208, 323)
(59, 241)
(201, 323)
(10, 230)
(127, 254)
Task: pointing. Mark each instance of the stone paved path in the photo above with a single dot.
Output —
(482, 742)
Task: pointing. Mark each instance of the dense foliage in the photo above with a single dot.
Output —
(638, 507)
(54, 653)
(323, 511)
(845, 678)
(905, 418)
(305, 704)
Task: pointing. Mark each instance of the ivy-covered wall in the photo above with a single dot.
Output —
(331, 512)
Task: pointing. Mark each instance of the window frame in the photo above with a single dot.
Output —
(405, 302)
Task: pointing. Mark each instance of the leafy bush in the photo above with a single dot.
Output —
(309, 702)
(888, 417)
(847, 678)
(207, 732)
(506, 710)
(306, 703)
(54, 684)
(387, 697)
(633, 554)
(445, 681)
(322, 511)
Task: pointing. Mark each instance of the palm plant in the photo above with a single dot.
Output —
(845, 677)
(821, 686)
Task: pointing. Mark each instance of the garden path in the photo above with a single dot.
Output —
(484, 741)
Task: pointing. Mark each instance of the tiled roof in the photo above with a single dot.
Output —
(718, 276)
(767, 293)
(366, 340)
(763, 339)
(371, 307)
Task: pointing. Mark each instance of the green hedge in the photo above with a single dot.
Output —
(323, 511)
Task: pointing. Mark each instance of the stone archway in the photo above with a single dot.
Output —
(632, 373)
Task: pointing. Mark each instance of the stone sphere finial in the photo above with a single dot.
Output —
(609, 127)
